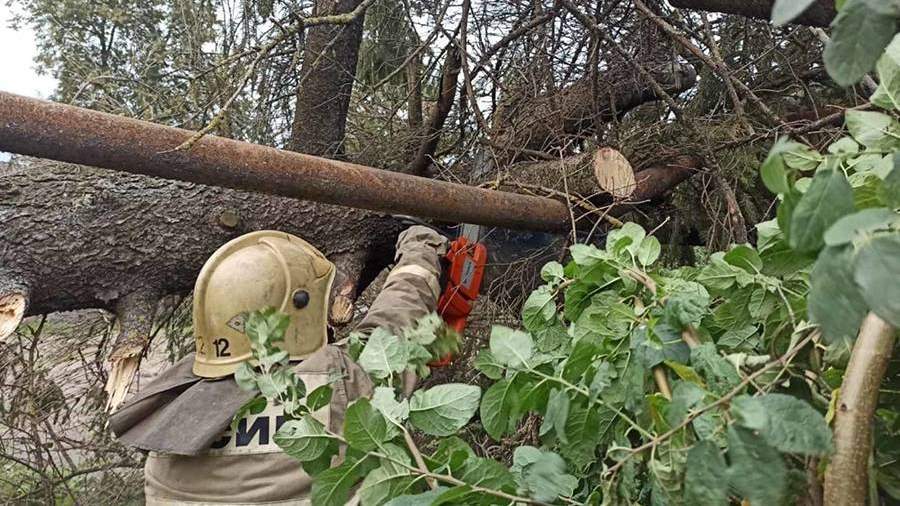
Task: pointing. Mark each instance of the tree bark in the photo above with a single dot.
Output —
(77, 237)
(550, 122)
(414, 90)
(820, 13)
(447, 86)
(326, 82)
(846, 481)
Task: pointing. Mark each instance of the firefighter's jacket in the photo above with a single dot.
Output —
(184, 421)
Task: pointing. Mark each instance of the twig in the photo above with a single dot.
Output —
(417, 455)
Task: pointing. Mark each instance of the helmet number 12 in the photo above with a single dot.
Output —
(221, 345)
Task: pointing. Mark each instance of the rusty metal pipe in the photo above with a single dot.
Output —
(71, 134)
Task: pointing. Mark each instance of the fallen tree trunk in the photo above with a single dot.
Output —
(551, 122)
(587, 177)
(820, 13)
(76, 237)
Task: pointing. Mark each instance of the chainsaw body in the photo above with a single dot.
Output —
(466, 259)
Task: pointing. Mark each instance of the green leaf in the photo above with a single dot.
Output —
(385, 401)
(551, 338)
(787, 423)
(364, 427)
(254, 406)
(829, 198)
(785, 10)
(579, 359)
(785, 212)
(876, 271)
(500, 409)
(720, 375)
(872, 129)
(586, 255)
(662, 342)
(245, 376)
(887, 7)
(802, 158)
(319, 398)
(332, 487)
(887, 95)
(605, 317)
(487, 473)
(266, 326)
(649, 250)
(546, 478)
(686, 372)
(628, 390)
(423, 499)
(745, 257)
(756, 471)
(587, 427)
(556, 415)
(387, 481)
(488, 365)
(524, 456)
(890, 189)
(552, 272)
(849, 227)
(425, 330)
(323, 462)
(626, 238)
(304, 439)
(685, 396)
(857, 40)
(738, 338)
(687, 303)
(834, 301)
(444, 409)
(539, 309)
(705, 481)
(510, 347)
(383, 355)
(719, 275)
(844, 145)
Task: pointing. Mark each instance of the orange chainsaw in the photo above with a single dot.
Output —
(464, 271)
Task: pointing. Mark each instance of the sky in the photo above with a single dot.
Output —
(17, 73)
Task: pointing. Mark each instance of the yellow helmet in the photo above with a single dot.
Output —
(257, 270)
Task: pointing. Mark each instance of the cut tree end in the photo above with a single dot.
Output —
(12, 310)
(614, 173)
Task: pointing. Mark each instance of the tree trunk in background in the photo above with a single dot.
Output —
(432, 132)
(326, 82)
(820, 13)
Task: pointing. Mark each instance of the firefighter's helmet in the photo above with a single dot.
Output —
(254, 271)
